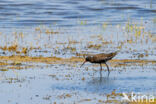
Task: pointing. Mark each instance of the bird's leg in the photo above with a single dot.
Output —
(100, 75)
(108, 75)
(107, 67)
(100, 70)
(100, 67)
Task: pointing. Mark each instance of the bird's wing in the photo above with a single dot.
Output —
(104, 57)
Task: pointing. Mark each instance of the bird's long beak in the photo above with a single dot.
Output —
(83, 63)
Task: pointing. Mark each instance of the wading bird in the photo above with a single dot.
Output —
(100, 58)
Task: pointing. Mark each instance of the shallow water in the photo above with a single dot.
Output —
(50, 83)
(66, 28)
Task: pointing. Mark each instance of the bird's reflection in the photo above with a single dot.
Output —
(101, 83)
(101, 74)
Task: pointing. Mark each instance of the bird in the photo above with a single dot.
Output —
(100, 59)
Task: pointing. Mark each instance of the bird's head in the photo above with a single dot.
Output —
(87, 59)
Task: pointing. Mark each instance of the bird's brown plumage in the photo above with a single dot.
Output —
(100, 58)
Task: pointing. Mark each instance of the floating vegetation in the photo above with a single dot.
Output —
(47, 97)
(3, 63)
(104, 25)
(73, 42)
(14, 48)
(96, 46)
(14, 80)
(9, 48)
(47, 31)
(4, 69)
(82, 22)
(63, 96)
(154, 20)
(38, 29)
(136, 32)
